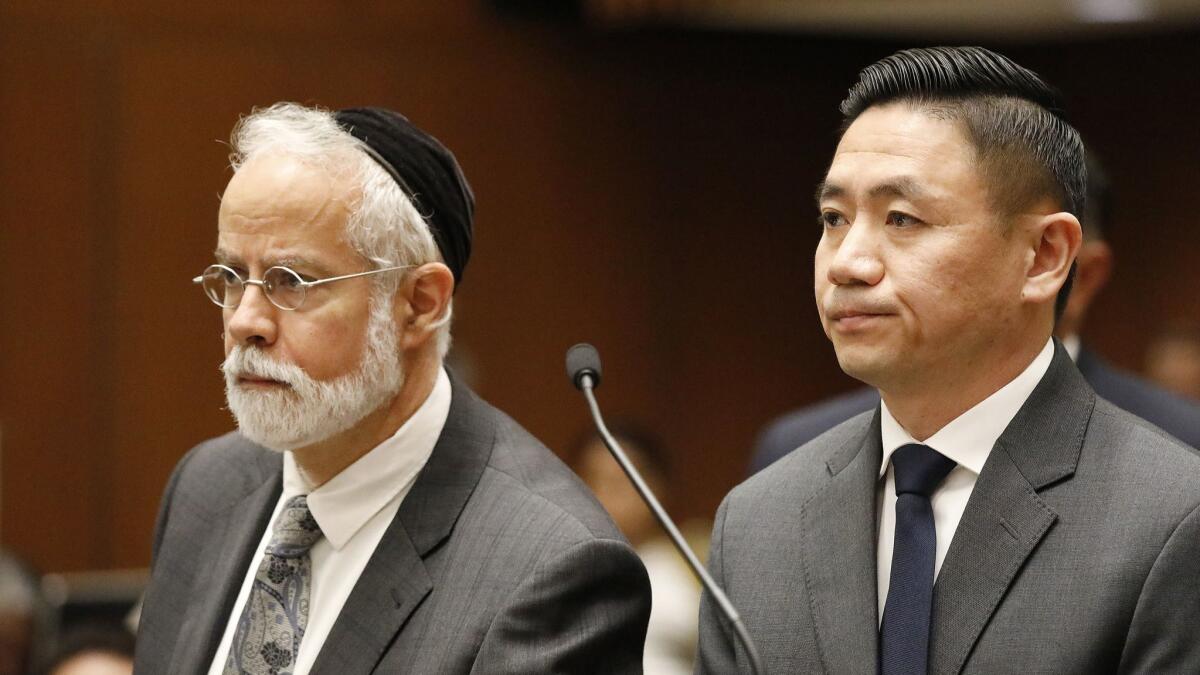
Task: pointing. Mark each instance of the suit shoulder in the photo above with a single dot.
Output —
(1123, 433)
(529, 479)
(1140, 468)
(805, 468)
(228, 465)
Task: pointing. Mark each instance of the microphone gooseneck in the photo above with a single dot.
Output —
(583, 368)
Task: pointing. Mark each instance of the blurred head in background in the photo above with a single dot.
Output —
(1094, 264)
(94, 650)
(1173, 359)
(592, 461)
(24, 618)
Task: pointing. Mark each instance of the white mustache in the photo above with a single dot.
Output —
(253, 363)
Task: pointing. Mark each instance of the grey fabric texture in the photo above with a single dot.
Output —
(1078, 551)
(498, 561)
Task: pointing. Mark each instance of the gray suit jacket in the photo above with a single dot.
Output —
(498, 561)
(1078, 552)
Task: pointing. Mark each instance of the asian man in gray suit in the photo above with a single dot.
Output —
(992, 515)
(371, 514)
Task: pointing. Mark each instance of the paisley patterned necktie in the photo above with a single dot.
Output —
(272, 624)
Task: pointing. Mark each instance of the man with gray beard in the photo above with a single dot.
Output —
(370, 514)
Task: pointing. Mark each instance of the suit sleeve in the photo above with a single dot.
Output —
(1164, 636)
(584, 610)
(716, 653)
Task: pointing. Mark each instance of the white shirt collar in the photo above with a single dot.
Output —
(968, 438)
(348, 500)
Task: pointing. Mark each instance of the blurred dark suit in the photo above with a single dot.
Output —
(1173, 414)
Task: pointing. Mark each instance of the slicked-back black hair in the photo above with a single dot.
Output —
(1026, 148)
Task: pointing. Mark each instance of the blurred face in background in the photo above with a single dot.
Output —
(95, 663)
(616, 494)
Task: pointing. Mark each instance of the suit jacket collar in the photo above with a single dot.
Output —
(838, 550)
(395, 580)
(1005, 518)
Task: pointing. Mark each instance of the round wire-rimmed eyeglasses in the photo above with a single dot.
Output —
(284, 287)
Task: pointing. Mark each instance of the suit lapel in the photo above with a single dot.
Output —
(221, 569)
(1005, 519)
(396, 580)
(838, 530)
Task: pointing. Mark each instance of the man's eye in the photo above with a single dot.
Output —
(831, 219)
(898, 219)
(293, 280)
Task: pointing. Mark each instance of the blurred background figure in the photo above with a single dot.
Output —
(1173, 359)
(671, 636)
(98, 649)
(25, 625)
(1178, 362)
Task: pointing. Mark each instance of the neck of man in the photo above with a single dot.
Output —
(924, 408)
(321, 461)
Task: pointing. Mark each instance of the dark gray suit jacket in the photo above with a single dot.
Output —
(1173, 414)
(498, 561)
(1078, 552)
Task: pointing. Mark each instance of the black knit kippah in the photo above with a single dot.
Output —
(427, 173)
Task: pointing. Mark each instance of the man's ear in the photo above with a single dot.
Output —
(423, 303)
(1056, 241)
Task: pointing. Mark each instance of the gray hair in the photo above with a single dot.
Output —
(383, 225)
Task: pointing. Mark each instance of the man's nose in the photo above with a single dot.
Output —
(857, 257)
(254, 320)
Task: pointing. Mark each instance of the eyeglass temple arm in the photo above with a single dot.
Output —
(318, 282)
(258, 282)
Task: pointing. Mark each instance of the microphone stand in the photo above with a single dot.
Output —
(586, 384)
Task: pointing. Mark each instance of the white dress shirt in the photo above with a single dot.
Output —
(968, 440)
(353, 508)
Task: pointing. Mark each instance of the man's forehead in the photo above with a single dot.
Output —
(905, 131)
(279, 211)
(896, 150)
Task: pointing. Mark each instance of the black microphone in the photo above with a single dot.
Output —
(583, 367)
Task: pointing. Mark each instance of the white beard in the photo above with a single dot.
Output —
(309, 410)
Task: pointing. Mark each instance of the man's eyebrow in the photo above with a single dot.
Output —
(287, 260)
(225, 257)
(828, 191)
(296, 261)
(903, 187)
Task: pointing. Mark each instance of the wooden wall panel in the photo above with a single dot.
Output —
(55, 241)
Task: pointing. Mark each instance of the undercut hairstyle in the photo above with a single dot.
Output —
(383, 226)
(1025, 148)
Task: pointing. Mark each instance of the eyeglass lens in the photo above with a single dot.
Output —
(283, 287)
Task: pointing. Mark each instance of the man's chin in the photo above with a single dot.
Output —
(865, 365)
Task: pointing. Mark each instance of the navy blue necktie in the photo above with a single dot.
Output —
(904, 635)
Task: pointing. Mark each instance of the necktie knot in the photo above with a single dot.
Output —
(295, 530)
(919, 469)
